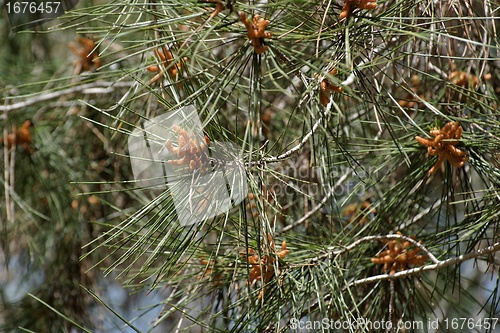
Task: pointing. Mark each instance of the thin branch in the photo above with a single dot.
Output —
(304, 140)
(350, 79)
(418, 216)
(321, 203)
(485, 131)
(98, 87)
(437, 70)
(357, 243)
(295, 149)
(391, 305)
(441, 264)
(325, 198)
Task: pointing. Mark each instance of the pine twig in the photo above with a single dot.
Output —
(358, 242)
(408, 272)
(289, 153)
(98, 87)
(320, 204)
(325, 198)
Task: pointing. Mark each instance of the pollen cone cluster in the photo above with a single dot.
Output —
(20, 137)
(263, 267)
(256, 32)
(350, 5)
(327, 87)
(398, 256)
(88, 58)
(443, 146)
(166, 58)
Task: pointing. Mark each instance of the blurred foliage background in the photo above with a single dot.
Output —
(326, 111)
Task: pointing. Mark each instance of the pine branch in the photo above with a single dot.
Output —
(438, 264)
(98, 88)
(365, 239)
